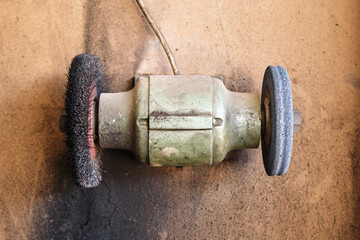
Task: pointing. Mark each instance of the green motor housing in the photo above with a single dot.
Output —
(179, 120)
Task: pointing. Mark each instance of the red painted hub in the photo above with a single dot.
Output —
(91, 121)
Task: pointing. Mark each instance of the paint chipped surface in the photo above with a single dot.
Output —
(168, 151)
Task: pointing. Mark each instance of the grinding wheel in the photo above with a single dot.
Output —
(276, 120)
(83, 89)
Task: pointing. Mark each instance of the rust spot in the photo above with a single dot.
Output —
(178, 114)
(217, 122)
(159, 114)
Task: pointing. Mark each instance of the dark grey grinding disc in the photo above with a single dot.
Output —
(82, 88)
(277, 120)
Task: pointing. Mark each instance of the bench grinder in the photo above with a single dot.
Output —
(174, 120)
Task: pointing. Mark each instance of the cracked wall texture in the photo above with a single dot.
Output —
(318, 43)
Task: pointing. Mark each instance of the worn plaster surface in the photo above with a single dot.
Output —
(318, 43)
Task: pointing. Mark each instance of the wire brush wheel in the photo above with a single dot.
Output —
(83, 90)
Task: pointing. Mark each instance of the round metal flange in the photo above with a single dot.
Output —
(276, 120)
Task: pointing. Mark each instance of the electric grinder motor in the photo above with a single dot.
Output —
(174, 120)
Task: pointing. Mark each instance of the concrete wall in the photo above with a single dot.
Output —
(317, 41)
